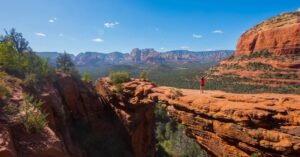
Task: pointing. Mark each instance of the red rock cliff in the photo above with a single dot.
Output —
(279, 35)
(229, 124)
(135, 111)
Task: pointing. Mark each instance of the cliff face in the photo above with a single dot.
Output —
(238, 125)
(136, 112)
(76, 115)
(280, 35)
(225, 124)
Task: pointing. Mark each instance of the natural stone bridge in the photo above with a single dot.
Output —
(225, 124)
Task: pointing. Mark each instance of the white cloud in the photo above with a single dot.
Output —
(110, 24)
(163, 49)
(40, 34)
(185, 47)
(209, 49)
(52, 20)
(97, 40)
(217, 31)
(197, 36)
(60, 34)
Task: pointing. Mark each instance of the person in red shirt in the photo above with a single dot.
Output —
(202, 84)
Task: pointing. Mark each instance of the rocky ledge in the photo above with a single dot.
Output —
(225, 124)
(237, 124)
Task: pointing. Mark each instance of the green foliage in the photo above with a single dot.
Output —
(254, 66)
(171, 140)
(119, 88)
(34, 118)
(119, 77)
(64, 63)
(259, 54)
(232, 66)
(291, 76)
(143, 75)
(30, 80)
(17, 59)
(3, 92)
(10, 108)
(86, 77)
(20, 44)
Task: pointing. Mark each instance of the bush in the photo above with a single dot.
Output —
(143, 75)
(86, 77)
(253, 66)
(64, 63)
(30, 80)
(3, 92)
(119, 77)
(262, 53)
(34, 119)
(119, 88)
(170, 137)
(19, 60)
(10, 108)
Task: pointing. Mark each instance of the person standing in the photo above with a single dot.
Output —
(202, 84)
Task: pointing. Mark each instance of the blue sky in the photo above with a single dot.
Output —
(120, 25)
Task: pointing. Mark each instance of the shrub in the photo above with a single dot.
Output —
(262, 53)
(86, 77)
(3, 92)
(34, 119)
(119, 77)
(30, 80)
(170, 137)
(143, 75)
(10, 108)
(259, 66)
(17, 59)
(119, 88)
(64, 63)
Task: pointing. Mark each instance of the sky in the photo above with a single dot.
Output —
(106, 26)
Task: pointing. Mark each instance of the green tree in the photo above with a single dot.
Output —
(86, 77)
(143, 75)
(20, 44)
(64, 63)
(119, 77)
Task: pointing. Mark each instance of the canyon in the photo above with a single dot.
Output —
(99, 119)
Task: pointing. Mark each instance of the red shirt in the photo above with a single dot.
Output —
(202, 82)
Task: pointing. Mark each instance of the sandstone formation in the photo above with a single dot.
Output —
(225, 124)
(238, 124)
(279, 35)
(135, 110)
(69, 103)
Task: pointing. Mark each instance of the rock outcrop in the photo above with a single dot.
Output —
(135, 111)
(237, 124)
(279, 35)
(80, 123)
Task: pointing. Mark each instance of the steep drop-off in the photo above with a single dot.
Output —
(225, 124)
(81, 123)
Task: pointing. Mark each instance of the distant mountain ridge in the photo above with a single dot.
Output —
(143, 56)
